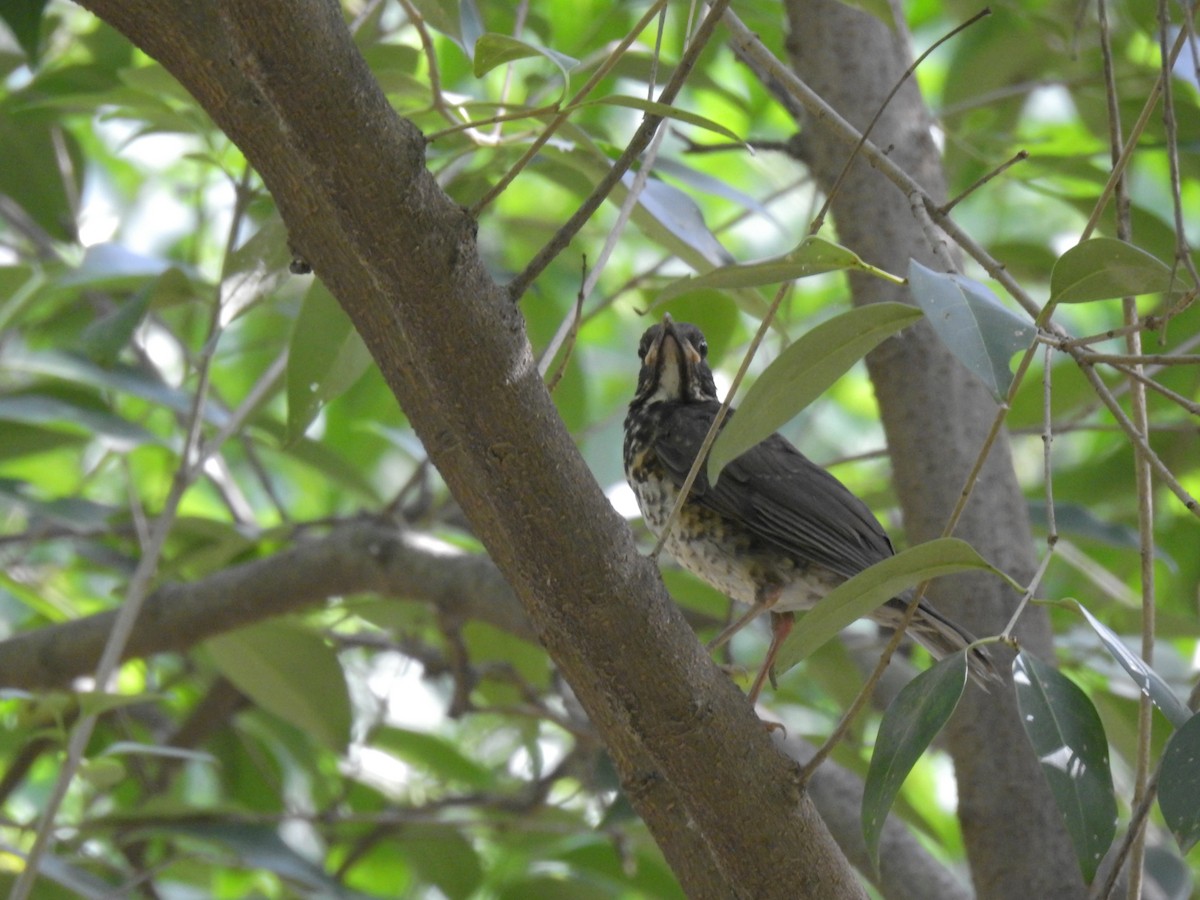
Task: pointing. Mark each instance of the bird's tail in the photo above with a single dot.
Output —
(941, 637)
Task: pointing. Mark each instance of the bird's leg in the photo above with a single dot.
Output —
(781, 627)
(760, 606)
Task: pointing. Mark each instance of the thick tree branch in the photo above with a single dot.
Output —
(285, 82)
(355, 557)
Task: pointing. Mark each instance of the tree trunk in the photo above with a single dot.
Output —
(283, 80)
(936, 415)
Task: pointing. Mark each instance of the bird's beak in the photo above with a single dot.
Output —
(673, 346)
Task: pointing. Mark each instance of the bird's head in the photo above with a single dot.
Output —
(674, 366)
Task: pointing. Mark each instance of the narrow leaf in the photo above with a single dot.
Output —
(1106, 268)
(1069, 740)
(872, 588)
(972, 322)
(111, 430)
(655, 108)
(132, 748)
(812, 256)
(326, 358)
(1148, 681)
(803, 372)
(1179, 784)
(676, 212)
(909, 725)
(291, 672)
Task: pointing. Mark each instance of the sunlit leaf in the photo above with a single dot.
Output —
(325, 358)
(289, 671)
(812, 256)
(803, 372)
(908, 727)
(1069, 741)
(1106, 268)
(870, 589)
(1179, 784)
(976, 327)
(1148, 681)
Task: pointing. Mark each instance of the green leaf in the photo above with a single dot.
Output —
(1148, 681)
(972, 322)
(256, 269)
(112, 267)
(493, 50)
(803, 372)
(443, 857)
(260, 848)
(18, 289)
(291, 672)
(1106, 268)
(909, 725)
(39, 409)
(105, 338)
(437, 756)
(812, 256)
(95, 703)
(326, 357)
(873, 587)
(655, 108)
(132, 748)
(24, 19)
(1179, 784)
(1069, 741)
(31, 174)
(674, 212)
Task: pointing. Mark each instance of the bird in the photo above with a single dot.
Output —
(776, 531)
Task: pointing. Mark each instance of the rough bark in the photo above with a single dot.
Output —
(935, 415)
(282, 78)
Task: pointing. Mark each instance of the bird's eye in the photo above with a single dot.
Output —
(703, 348)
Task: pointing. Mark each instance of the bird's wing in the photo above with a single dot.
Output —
(779, 495)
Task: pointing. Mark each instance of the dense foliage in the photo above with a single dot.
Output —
(180, 402)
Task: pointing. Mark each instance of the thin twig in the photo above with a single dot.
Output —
(548, 132)
(1034, 582)
(621, 165)
(572, 334)
(1137, 374)
(1019, 156)
(435, 79)
(1143, 359)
